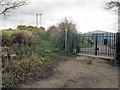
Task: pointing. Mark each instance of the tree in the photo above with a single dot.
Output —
(71, 28)
(53, 34)
(65, 23)
(8, 5)
(115, 6)
(21, 27)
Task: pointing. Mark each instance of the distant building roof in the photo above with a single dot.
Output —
(97, 31)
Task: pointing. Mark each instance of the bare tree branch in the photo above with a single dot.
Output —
(11, 5)
(113, 5)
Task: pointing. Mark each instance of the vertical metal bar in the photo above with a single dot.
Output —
(118, 47)
(105, 52)
(110, 45)
(82, 42)
(88, 43)
(102, 51)
(114, 42)
(77, 43)
(96, 44)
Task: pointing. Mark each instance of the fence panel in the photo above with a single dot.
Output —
(103, 44)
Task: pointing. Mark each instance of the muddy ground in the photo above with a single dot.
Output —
(79, 72)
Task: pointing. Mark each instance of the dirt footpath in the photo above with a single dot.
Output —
(79, 72)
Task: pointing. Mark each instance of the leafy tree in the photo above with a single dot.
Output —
(21, 27)
(65, 23)
(42, 28)
(71, 28)
(9, 5)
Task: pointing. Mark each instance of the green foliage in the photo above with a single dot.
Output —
(6, 37)
(15, 71)
(22, 37)
(30, 58)
(114, 61)
(65, 23)
(30, 27)
(43, 43)
(42, 28)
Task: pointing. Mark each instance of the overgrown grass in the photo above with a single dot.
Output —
(43, 43)
(30, 59)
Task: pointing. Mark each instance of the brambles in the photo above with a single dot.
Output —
(24, 57)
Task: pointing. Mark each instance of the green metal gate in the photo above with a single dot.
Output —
(94, 44)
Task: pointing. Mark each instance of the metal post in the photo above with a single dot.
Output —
(118, 46)
(96, 45)
(65, 38)
(77, 47)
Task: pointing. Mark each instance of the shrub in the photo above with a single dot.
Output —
(114, 61)
(7, 37)
(25, 38)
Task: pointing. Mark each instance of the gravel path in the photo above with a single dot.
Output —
(80, 72)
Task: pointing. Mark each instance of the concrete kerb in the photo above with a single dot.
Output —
(94, 56)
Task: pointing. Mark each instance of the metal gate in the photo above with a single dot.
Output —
(95, 44)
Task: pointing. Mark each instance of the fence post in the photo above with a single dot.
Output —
(118, 47)
(70, 36)
(96, 44)
(77, 46)
(65, 38)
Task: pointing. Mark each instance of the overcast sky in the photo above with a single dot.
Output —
(89, 15)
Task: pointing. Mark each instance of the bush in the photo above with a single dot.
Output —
(114, 61)
(7, 37)
(25, 38)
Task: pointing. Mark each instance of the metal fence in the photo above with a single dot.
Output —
(94, 44)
